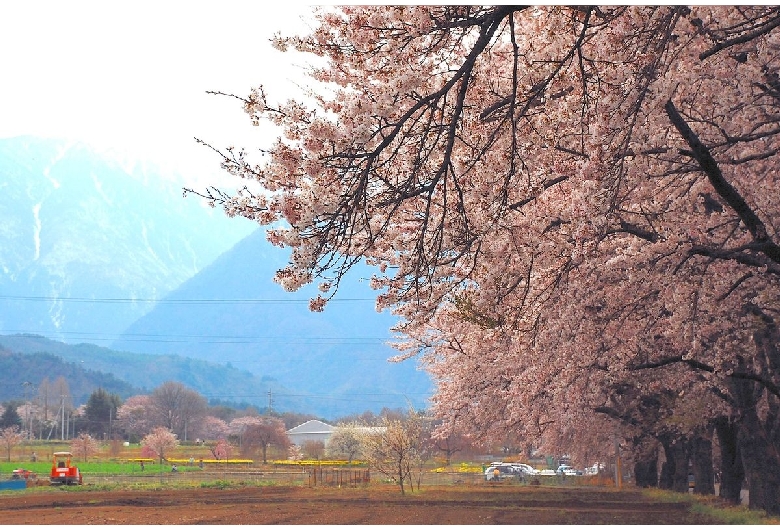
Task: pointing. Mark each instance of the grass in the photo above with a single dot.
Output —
(98, 467)
(714, 507)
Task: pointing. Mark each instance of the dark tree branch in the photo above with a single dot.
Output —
(732, 197)
(747, 37)
(696, 365)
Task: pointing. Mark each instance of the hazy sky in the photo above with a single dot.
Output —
(132, 76)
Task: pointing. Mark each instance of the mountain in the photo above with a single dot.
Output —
(16, 369)
(96, 251)
(87, 243)
(232, 312)
(86, 367)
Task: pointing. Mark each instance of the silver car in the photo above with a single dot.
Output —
(503, 472)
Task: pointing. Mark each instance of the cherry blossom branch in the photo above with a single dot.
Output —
(732, 197)
(747, 37)
(697, 365)
(736, 255)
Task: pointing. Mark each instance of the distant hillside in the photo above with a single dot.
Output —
(17, 368)
(125, 373)
(232, 311)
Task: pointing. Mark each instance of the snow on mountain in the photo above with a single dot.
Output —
(78, 228)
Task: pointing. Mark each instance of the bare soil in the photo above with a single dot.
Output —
(291, 505)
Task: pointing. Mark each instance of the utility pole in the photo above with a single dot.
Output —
(28, 420)
(618, 466)
(270, 401)
(62, 417)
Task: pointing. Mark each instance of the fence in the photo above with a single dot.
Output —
(321, 476)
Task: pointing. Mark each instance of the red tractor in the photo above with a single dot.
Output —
(62, 472)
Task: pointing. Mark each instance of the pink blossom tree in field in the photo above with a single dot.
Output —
(136, 416)
(159, 442)
(10, 437)
(212, 428)
(84, 446)
(238, 427)
(221, 449)
(267, 432)
(572, 210)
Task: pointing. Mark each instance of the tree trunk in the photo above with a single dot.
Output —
(681, 458)
(761, 464)
(732, 473)
(701, 452)
(646, 471)
(758, 441)
(674, 472)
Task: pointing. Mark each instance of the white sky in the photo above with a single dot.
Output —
(132, 76)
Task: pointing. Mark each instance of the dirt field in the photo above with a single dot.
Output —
(374, 505)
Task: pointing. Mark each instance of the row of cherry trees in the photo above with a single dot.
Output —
(171, 411)
(573, 210)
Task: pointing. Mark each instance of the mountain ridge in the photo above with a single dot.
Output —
(101, 251)
(336, 354)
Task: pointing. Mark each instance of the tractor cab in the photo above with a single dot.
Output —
(62, 472)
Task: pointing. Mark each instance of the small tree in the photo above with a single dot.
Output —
(345, 441)
(398, 448)
(159, 442)
(84, 446)
(270, 431)
(313, 448)
(10, 437)
(294, 452)
(222, 450)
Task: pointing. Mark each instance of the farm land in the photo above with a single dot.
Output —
(374, 504)
(116, 491)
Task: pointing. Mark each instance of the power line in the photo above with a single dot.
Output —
(204, 339)
(184, 301)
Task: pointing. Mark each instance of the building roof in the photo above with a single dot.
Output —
(312, 427)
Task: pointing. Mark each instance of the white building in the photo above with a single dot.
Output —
(314, 430)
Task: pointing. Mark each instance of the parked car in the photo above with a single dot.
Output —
(594, 469)
(526, 468)
(566, 469)
(503, 472)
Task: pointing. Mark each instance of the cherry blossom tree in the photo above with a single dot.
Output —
(267, 432)
(345, 441)
(84, 445)
(398, 449)
(136, 416)
(159, 442)
(10, 437)
(212, 428)
(221, 449)
(561, 203)
(238, 426)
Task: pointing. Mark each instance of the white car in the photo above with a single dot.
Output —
(503, 472)
(565, 469)
(527, 469)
